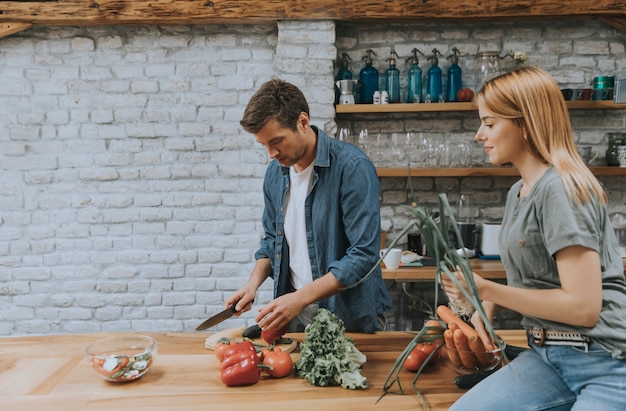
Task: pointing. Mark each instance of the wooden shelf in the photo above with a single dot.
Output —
(491, 269)
(480, 172)
(443, 107)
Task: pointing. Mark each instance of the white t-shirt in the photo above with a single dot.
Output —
(295, 227)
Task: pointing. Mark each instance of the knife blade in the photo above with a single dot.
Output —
(218, 318)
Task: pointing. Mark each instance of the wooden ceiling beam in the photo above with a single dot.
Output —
(114, 12)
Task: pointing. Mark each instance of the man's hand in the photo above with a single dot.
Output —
(279, 312)
(244, 298)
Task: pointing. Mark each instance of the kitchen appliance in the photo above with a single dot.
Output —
(346, 88)
(489, 240)
(619, 95)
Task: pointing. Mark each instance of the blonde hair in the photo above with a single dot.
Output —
(532, 99)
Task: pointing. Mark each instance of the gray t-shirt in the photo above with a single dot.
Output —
(535, 227)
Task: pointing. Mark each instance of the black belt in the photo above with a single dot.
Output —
(541, 336)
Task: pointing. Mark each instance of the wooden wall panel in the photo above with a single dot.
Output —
(98, 12)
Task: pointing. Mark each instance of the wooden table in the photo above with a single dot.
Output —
(490, 269)
(50, 373)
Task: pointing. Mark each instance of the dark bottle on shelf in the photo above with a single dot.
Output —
(392, 79)
(433, 85)
(369, 79)
(454, 76)
(414, 92)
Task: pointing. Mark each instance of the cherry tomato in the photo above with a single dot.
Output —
(279, 360)
(273, 335)
(220, 348)
(419, 354)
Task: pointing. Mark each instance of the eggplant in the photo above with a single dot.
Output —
(254, 331)
(468, 381)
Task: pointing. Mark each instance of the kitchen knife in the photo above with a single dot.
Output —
(219, 317)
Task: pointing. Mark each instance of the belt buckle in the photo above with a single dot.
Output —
(539, 336)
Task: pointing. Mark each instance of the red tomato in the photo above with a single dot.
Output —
(465, 94)
(273, 335)
(220, 348)
(419, 354)
(279, 360)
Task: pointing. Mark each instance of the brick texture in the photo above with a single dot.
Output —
(130, 198)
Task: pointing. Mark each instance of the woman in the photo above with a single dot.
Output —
(565, 274)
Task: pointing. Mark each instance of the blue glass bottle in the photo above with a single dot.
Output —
(344, 73)
(368, 78)
(455, 82)
(392, 79)
(433, 85)
(414, 92)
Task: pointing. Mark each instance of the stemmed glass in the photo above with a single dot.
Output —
(397, 148)
(363, 140)
(377, 150)
(410, 146)
(420, 152)
(344, 134)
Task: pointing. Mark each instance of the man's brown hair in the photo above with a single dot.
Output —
(275, 100)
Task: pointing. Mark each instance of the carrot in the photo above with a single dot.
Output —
(462, 347)
(449, 340)
(478, 348)
(449, 317)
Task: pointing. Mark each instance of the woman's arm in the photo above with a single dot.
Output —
(578, 302)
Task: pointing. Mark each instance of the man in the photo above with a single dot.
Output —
(321, 220)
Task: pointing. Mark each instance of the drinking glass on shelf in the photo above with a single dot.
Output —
(410, 144)
(344, 134)
(464, 155)
(445, 158)
(432, 154)
(478, 156)
(396, 152)
(363, 140)
(420, 153)
(377, 149)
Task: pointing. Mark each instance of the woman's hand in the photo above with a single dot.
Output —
(479, 324)
(452, 291)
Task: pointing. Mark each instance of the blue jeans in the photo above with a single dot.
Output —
(552, 377)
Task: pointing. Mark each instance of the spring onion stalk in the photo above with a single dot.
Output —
(448, 262)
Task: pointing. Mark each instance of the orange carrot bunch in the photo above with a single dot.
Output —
(466, 347)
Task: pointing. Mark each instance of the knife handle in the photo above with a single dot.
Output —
(233, 306)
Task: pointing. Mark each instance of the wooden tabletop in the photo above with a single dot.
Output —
(491, 269)
(50, 373)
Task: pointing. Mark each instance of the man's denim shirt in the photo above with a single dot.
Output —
(342, 213)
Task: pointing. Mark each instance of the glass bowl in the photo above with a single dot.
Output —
(468, 362)
(122, 357)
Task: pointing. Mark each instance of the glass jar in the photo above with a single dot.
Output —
(487, 67)
(615, 140)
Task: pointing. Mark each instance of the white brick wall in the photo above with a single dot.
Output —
(130, 198)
